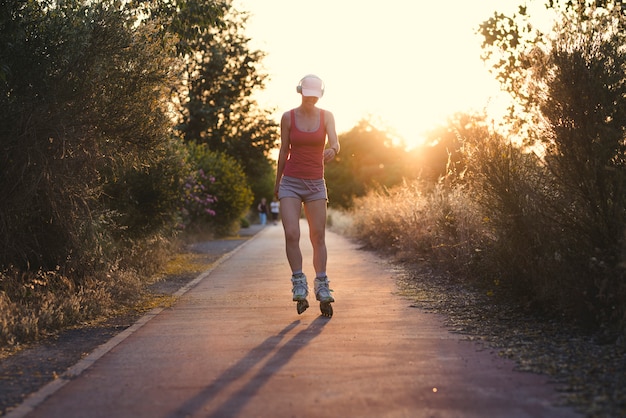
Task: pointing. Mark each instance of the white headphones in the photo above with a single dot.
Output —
(299, 86)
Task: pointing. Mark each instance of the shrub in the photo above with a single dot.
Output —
(517, 198)
(442, 226)
(539, 242)
(81, 106)
(570, 208)
(146, 197)
(83, 113)
(36, 304)
(198, 203)
(229, 190)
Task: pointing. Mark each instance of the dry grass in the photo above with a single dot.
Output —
(36, 304)
(40, 303)
(442, 225)
(184, 263)
(339, 221)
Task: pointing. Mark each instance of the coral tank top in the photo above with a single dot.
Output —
(306, 151)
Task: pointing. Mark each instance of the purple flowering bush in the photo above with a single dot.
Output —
(197, 201)
(217, 196)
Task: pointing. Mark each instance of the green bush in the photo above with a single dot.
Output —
(229, 187)
(82, 106)
(146, 198)
(89, 175)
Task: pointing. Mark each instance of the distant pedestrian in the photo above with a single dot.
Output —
(275, 209)
(300, 180)
(262, 209)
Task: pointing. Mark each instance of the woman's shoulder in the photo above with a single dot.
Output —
(286, 117)
(328, 116)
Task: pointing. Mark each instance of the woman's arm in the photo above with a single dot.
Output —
(333, 141)
(285, 127)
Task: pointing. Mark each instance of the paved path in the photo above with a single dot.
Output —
(234, 346)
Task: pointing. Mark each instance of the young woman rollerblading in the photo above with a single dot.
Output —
(308, 140)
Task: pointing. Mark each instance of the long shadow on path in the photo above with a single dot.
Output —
(239, 399)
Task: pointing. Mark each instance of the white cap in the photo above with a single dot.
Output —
(311, 85)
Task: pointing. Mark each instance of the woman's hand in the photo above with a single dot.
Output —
(276, 187)
(329, 154)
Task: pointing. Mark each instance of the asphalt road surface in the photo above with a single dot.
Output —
(234, 346)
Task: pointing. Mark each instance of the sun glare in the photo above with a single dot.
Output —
(408, 65)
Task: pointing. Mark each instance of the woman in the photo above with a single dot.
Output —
(300, 180)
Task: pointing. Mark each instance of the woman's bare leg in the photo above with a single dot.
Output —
(290, 213)
(316, 216)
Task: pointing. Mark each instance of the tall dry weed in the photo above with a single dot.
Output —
(441, 225)
(37, 304)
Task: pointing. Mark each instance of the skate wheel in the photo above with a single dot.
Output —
(327, 309)
(302, 305)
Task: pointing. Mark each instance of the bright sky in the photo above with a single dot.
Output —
(406, 65)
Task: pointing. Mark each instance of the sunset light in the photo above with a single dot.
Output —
(404, 65)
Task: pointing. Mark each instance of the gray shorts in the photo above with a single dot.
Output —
(303, 189)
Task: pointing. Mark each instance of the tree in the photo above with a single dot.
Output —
(73, 75)
(442, 153)
(369, 158)
(217, 108)
(184, 19)
(572, 88)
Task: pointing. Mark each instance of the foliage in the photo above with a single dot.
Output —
(198, 202)
(539, 215)
(232, 194)
(216, 100)
(369, 158)
(416, 222)
(517, 199)
(145, 199)
(508, 42)
(70, 123)
(562, 215)
(184, 19)
(92, 171)
(442, 154)
(90, 174)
